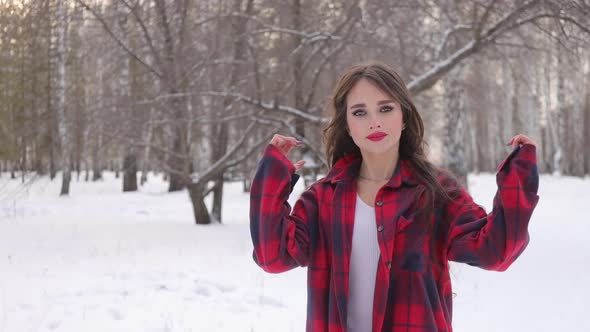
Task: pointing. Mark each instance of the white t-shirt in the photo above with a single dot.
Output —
(363, 269)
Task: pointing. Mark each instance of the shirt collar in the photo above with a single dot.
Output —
(347, 169)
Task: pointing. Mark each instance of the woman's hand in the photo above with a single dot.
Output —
(285, 144)
(520, 140)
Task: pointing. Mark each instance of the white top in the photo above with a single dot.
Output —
(363, 269)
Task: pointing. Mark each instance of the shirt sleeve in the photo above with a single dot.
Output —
(494, 241)
(280, 236)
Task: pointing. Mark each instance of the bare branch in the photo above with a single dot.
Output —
(429, 78)
(220, 165)
(118, 40)
(484, 19)
(447, 34)
(269, 106)
(146, 34)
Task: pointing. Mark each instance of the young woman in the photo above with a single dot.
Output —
(377, 232)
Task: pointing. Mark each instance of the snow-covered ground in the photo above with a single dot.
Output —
(103, 260)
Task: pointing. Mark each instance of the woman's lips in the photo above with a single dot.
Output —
(377, 136)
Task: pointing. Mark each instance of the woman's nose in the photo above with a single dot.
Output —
(375, 124)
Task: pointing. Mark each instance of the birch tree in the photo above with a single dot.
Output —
(65, 140)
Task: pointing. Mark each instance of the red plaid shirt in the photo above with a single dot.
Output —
(411, 293)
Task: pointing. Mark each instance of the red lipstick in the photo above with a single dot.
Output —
(377, 136)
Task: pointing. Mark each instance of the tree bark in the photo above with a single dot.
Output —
(586, 126)
(125, 97)
(60, 90)
(220, 148)
(199, 207)
(130, 172)
(517, 126)
(454, 140)
(558, 158)
(146, 152)
(97, 124)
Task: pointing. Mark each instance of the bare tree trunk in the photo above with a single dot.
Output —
(549, 143)
(471, 140)
(13, 170)
(51, 111)
(129, 150)
(482, 124)
(130, 172)
(200, 210)
(175, 162)
(586, 128)
(454, 140)
(98, 124)
(558, 158)
(38, 166)
(146, 152)
(517, 126)
(238, 27)
(60, 90)
(177, 159)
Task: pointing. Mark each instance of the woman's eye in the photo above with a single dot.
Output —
(356, 113)
(387, 108)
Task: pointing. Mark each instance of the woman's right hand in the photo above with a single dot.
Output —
(285, 144)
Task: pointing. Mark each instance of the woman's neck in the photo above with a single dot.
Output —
(378, 167)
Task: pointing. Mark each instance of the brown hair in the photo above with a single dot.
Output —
(339, 143)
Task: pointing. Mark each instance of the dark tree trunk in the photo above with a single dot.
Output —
(199, 207)
(175, 163)
(52, 168)
(96, 169)
(65, 185)
(246, 184)
(130, 172)
(143, 178)
(239, 25)
(217, 199)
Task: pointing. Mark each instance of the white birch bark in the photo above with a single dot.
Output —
(60, 91)
(454, 137)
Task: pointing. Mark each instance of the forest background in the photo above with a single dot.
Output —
(194, 90)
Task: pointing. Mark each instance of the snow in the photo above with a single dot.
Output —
(103, 260)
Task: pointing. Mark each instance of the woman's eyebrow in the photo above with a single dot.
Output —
(382, 102)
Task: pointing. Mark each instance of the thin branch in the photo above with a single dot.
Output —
(221, 164)
(145, 33)
(484, 18)
(117, 39)
(446, 36)
(438, 70)
(269, 106)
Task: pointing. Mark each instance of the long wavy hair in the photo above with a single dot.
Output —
(339, 143)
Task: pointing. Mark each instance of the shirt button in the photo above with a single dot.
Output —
(379, 203)
(380, 228)
(389, 265)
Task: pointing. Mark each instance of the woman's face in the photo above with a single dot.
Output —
(371, 111)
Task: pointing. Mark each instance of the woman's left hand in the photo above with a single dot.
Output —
(520, 140)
